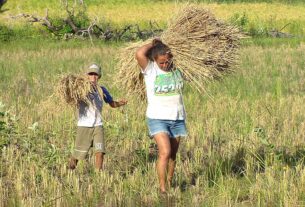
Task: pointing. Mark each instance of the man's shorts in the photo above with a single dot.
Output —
(87, 137)
(174, 128)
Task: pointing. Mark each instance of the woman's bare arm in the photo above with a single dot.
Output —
(141, 55)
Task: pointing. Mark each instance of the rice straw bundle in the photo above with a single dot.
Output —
(75, 88)
(203, 47)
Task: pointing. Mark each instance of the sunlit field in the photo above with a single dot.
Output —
(246, 143)
(258, 16)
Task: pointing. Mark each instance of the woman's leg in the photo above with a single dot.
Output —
(164, 148)
(172, 160)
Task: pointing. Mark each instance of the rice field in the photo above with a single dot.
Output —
(245, 144)
(260, 17)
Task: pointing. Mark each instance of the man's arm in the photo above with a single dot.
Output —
(115, 104)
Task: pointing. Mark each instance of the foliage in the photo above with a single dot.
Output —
(253, 1)
(257, 21)
(6, 34)
(7, 126)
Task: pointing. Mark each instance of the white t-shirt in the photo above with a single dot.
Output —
(90, 115)
(163, 91)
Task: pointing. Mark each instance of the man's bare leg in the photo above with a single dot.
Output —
(73, 163)
(99, 158)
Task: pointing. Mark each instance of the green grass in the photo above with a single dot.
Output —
(246, 133)
(253, 1)
(256, 18)
(51, 3)
(246, 144)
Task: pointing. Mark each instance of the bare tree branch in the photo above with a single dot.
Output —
(128, 32)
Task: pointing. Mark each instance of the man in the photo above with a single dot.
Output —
(90, 130)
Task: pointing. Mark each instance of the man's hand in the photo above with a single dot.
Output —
(115, 104)
(122, 102)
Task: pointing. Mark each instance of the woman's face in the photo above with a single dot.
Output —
(164, 62)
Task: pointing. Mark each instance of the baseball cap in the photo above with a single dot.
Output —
(94, 68)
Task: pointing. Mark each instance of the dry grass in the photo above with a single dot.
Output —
(204, 48)
(267, 94)
(73, 89)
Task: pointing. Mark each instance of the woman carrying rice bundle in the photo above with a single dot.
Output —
(165, 111)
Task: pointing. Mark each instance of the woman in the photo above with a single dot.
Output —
(165, 111)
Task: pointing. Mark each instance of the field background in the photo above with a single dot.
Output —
(246, 143)
(253, 16)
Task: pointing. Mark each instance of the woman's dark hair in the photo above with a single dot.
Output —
(158, 48)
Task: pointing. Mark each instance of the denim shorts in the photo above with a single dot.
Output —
(174, 128)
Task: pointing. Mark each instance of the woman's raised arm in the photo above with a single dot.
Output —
(141, 55)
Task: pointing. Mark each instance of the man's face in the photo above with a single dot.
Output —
(93, 78)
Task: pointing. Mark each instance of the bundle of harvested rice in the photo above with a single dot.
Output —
(203, 47)
(75, 88)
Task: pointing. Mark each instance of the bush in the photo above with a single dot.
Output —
(6, 34)
(7, 126)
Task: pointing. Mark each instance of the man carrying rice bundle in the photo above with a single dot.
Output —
(90, 130)
(165, 111)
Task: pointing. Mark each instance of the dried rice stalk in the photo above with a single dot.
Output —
(204, 49)
(75, 88)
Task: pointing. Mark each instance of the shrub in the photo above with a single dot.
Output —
(6, 34)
